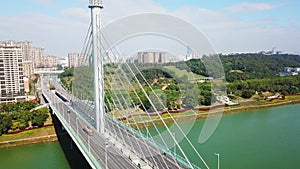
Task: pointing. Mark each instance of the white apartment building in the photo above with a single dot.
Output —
(50, 61)
(35, 54)
(73, 59)
(26, 50)
(153, 57)
(28, 69)
(11, 73)
(38, 56)
(25, 46)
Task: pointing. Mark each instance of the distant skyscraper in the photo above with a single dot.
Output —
(50, 61)
(153, 57)
(26, 50)
(25, 46)
(35, 54)
(74, 59)
(38, 57)
(28, 69)
(11, 73)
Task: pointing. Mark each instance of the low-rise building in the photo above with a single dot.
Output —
(290, 71)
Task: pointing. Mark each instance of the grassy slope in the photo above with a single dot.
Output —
(181, 73)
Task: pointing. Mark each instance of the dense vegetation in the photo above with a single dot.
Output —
(256, 66)
(246, 74)
(246, 66)
(16, 116)
(247, 88)
(66, 76)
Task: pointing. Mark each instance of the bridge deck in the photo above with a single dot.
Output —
(76, 116)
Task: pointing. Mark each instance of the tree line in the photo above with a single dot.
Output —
(244, 66)
(247, 88)
(17, 116)
(246, 75)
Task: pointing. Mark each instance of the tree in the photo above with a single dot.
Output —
(40, 116)
(27, 105)
(206, 98)
(21, 124)
(25, 116)
(5, 123)
(10, 107)
(158, 98)
(248, 93)
(190, 94)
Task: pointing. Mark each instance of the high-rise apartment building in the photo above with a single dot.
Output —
(28, 69)
(35, 54)
(74, 59)
(50, 61)
(38, 56)
(153, 57)
(11, 73)
(26, 50)
(25, 46)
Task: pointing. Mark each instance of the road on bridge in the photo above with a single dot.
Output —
(80, 115)
(95, 143)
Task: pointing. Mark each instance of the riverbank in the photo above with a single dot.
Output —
(257, 105)
(48, 134)
(205, 112)
(39, 135)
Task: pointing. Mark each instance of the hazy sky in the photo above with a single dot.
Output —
(232, 25)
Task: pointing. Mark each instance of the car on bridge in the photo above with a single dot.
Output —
(88, 130)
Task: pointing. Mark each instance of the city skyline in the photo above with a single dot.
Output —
(231, 26)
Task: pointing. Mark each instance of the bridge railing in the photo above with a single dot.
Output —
(59, 107)
(154, 143)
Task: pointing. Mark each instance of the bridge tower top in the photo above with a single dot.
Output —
(95, 3)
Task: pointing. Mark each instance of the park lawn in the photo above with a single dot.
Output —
(292, 97)
(181, 73)
(44, 131)
(49, 130)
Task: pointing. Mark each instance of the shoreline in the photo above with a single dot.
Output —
(260, 107)
(32, 136)
(28, 141)
(247, 108)
(214, 110)
(201, 114)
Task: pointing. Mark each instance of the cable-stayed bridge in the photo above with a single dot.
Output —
(109, 111)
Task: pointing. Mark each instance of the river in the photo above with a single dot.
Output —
(262, 139)
(35, 156)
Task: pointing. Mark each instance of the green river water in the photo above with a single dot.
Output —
(263, 139)
(36, 156)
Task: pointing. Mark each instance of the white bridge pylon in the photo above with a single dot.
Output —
(96, 6)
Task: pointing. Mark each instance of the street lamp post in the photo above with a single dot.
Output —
(147, 130)
(89, 143)
(106, 146)
(68, 111)
(174, 142)
(218, 155)
(77, 125)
